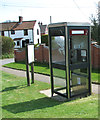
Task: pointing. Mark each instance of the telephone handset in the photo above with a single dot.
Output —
(78, 55)
(81, 55)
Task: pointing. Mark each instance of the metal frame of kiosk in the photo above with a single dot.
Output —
(70, 66)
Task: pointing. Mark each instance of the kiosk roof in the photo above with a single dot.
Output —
(69, 24)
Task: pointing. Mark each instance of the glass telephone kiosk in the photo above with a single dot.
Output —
(69, 49)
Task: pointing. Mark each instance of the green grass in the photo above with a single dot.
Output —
(44, 69)
(20, 101)
(38, 67)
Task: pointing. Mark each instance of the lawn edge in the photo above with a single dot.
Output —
(97, 83)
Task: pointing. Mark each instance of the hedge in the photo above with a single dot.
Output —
(7, 45)
(44, 39)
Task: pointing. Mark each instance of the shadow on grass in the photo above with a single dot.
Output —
(12, 88)
(31, 105)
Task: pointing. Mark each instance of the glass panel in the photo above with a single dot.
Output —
(82, 71)
(58, 58)
(58, 50)
(79, 81)
(78, 48)
(59, 78)
(78, 54)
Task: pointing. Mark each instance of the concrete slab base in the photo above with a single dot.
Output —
(55, 96)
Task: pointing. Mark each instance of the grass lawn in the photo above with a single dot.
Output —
(44, 69)
(20, 101)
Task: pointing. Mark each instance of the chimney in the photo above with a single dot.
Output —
(39, 23)
(20, 19)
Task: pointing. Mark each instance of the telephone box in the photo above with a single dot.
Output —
(69, 49)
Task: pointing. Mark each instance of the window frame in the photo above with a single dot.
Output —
(18, 43)
(25, 32)
(37, 31)
(2, 33)
(12, 32)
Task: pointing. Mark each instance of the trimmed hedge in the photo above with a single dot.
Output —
(7, 45)
(44, 39)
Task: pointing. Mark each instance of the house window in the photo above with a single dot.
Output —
(17, 43)
(12, 31)
(25, 32)
(23, 43)
(37, 31)
(38, 41)
(2, 33)
(27, 41)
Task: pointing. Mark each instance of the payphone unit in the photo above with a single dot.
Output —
(69, 48)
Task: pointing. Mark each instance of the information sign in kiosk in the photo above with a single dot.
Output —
(69, 48)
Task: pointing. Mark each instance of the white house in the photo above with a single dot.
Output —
(22, 32)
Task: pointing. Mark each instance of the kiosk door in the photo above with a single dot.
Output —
(79, 61)
(57, 56)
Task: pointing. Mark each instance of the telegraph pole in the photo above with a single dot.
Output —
(50, 19)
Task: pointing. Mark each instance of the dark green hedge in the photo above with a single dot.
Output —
(44, 39)
(7, 45)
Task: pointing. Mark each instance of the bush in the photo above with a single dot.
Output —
(7, 45)
(7, 56)
(44, 39)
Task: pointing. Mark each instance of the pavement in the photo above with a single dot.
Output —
(39, 77)
(6, 61)
(20, 73)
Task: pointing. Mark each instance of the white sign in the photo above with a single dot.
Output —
(77, 32)
(30, 53)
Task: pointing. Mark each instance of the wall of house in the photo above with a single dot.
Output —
(20, 34)
(36, 37)
(6, 33)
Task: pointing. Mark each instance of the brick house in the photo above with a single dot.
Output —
(22, 32)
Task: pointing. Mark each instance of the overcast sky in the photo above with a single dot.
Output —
(60, 10)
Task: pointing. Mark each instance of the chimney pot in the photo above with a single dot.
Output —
(20, 19)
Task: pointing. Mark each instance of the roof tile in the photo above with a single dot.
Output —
(18, 26)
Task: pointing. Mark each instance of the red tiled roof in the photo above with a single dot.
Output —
(8, 26)
(18, 26)
(25, 25)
